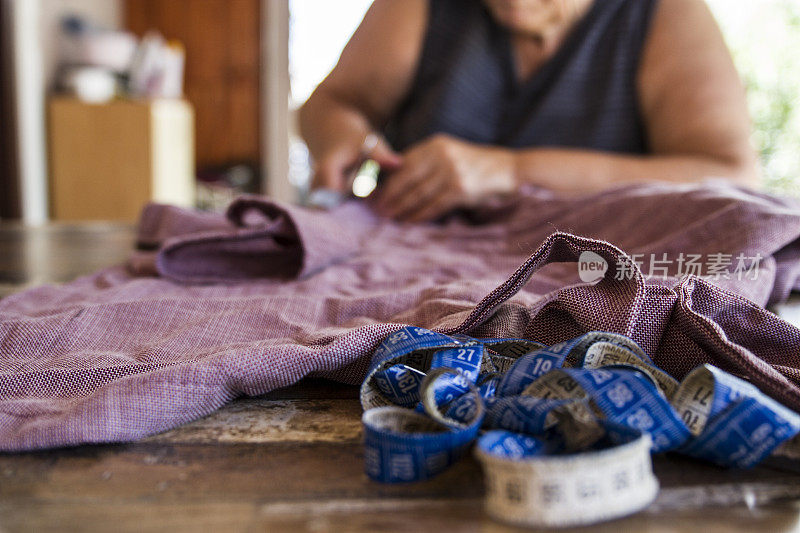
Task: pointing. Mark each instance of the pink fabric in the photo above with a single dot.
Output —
(271, 293)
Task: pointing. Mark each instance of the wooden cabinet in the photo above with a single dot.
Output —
(108, 160)
(222, 39)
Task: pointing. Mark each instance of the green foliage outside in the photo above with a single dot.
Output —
(764, 38)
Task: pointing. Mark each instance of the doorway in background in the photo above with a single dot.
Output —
(9, 175)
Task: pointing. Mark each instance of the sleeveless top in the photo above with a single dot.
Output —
(584, 96)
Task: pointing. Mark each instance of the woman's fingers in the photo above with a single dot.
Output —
(422, 193)
(413, 171)
(328, 177)
(335, 169)
(387, 158)
(427, 184)
(441, 204)
(330, 171)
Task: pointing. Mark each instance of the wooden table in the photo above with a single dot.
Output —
(292, 460)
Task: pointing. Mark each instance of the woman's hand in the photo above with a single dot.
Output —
(337, 166)
(442, 173)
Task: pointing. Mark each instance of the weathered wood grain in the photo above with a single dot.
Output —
(216, 459)
(290, 486)
(389, 516)
(263, 421)
(410, 511)
(58, 253)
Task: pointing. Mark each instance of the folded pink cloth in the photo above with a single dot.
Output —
(255, 239)
(256, 300)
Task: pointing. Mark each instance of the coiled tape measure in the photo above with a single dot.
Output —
(564, 433)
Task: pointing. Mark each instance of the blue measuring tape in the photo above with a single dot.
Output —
(428, 397)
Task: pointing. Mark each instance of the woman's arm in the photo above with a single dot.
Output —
(696, 120)
(373, 74)
(694, 109)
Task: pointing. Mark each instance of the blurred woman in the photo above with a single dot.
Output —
(460, 99)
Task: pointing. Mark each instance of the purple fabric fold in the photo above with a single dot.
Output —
(127, 352)
(257, 238)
